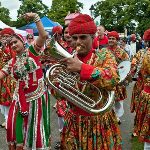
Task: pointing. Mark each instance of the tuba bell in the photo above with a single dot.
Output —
(70, 87)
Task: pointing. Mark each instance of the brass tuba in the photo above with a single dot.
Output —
(70, 87)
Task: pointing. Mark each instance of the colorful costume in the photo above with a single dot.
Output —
(120, 91)
(29, 115)
(83, 130)
(7, 85)
(143, 108)
(138, 86)
(120, 55)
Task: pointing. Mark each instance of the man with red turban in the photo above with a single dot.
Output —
(7, 85)
(120, 55)
(57, 33)
(83, 129)
(57, 29)
(136, 43)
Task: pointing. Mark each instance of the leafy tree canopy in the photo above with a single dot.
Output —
(4, 13)
(31, 6)
(60, 9)
(120, 14)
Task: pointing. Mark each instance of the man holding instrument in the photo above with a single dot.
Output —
(120, 55)
(84, 130)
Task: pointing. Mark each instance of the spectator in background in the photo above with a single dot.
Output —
(136, 43)
(126, 47)
(57, 33)
(67, 40)
(30, 39)
(101, 39)
(133, 43)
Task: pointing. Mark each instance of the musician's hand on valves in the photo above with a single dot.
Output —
(73, 64)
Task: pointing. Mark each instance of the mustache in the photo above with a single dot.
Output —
(78, 47)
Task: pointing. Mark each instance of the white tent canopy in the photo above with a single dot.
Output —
(3, 25)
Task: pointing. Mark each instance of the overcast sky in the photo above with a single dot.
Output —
(13, 6)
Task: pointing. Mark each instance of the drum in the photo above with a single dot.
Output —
(124, 69)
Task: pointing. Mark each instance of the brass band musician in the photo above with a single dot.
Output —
(83, 130)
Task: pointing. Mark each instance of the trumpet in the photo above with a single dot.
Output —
(70, 87)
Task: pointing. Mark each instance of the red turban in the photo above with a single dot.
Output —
(82, 24)
(133, 37)
(57, 29)
(7, 31)
(147, 35)
(20, 37)
(113, 34)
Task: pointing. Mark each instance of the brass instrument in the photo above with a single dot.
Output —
(69, 86)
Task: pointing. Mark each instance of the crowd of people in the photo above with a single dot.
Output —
(25, 95)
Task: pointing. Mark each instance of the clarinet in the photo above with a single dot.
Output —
(136, 75)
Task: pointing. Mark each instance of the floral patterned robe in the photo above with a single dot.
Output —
(85, 131)
(143, 108)
(7, 85)
(138, 86)
(120, 55)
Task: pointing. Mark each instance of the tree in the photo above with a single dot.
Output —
(60, 9)
(31, 6)
(118, 14)
(4, 13)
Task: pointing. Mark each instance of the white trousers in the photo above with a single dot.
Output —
(146, 146)
(4, 111)
(118, 108)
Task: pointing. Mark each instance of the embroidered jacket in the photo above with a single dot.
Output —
(27, 70)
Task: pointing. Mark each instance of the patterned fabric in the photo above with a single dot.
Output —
(143, 109)
(82, 130)
(120, 55)
(29, 115)
(7, 85)
(138, 86)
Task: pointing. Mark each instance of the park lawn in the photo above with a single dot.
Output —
(136, 145)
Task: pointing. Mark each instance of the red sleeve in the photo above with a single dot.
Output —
(86, 71)
(95, 44)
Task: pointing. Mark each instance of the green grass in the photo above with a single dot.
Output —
(136, 145)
